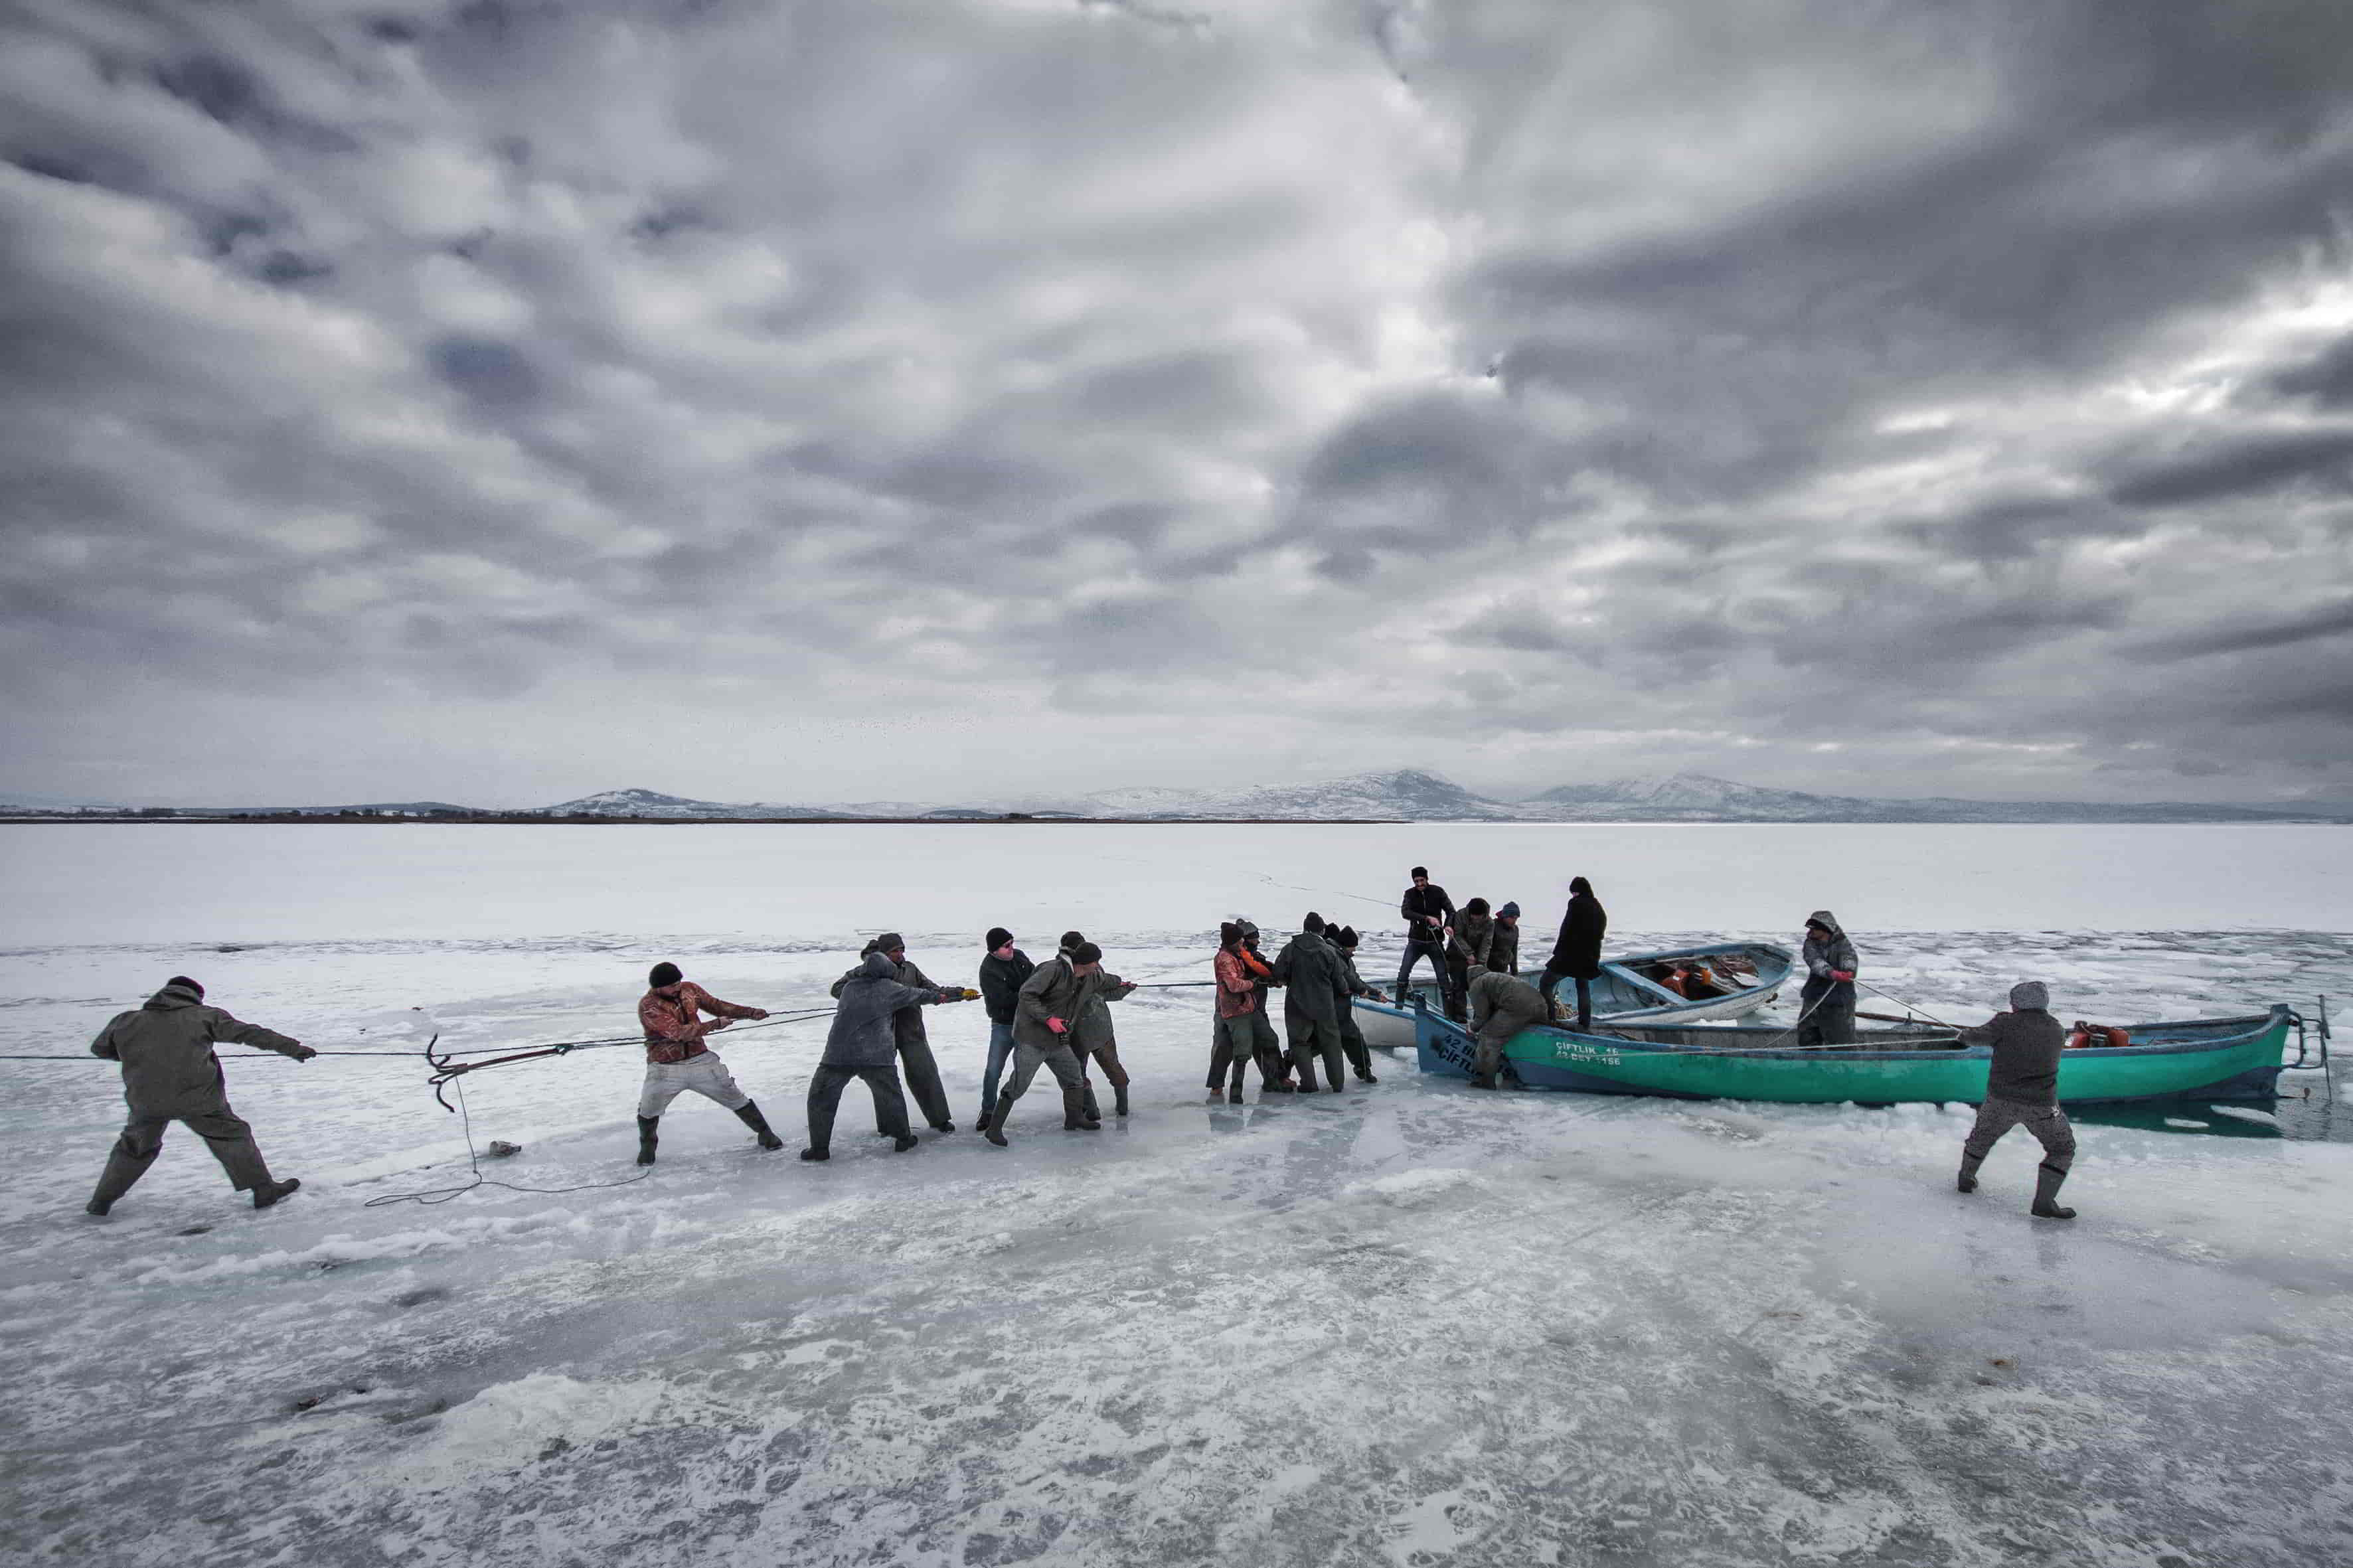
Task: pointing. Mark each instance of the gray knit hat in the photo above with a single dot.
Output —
(2030, 995)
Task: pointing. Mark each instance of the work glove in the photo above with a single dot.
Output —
(301, 1052)
(759, 1012)
(1841, 975)
(1056, 1024)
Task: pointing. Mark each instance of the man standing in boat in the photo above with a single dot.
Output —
(1428, 914)
(1826, 1015)
(1503, 947)
(1576, 954)
(2022, 1091)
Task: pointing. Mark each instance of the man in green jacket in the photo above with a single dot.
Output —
(1045, 1017)
(170, 1074)
(1094, 1037)
(1501, 1006)
(1352, 1038)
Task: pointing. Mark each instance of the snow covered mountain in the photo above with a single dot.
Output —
(653, 803)
(1697, 797)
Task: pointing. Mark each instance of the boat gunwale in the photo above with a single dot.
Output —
(1761, 994)
(2277, 1018)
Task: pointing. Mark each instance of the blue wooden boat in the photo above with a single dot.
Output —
(1629, 990)
(2201, 1059)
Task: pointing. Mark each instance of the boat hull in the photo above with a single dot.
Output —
(1622, 995)
(2228, 1058)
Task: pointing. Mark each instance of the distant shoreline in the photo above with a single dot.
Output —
(313, 820)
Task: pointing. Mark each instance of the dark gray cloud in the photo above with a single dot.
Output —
(440, 395)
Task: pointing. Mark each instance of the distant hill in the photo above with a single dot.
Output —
(1696, 797)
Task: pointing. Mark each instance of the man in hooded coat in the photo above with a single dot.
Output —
(912, 1041)
(1826, 1004)
(170, 1074)
(862, 1044)
(2022, 1091)
(1308, 968)
(1576, 954)
(1501, 1005)
(1093, 1038)
(1352, 1038)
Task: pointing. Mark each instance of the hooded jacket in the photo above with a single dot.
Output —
(1576, 952)
(1505, 1001)
(872, 995)
(669, 1014)
(166, 1047)
(907, 1025)
(1056, 991)
(1094, 1031)
(1823, 955)
(1309, 968)
(2027, 1042)
(1474, 937)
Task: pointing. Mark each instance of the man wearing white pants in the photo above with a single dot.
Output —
(677, 1061)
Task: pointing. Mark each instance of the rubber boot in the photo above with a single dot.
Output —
(1484, 1081)
(1119, 1100)
(263, 1198)
(646, 1138)
(1079, 1112)
(1967, 1180)
(817, 1153)
(749, 1114)
(97, 1206)
(2046, 1195)
(906, 1142)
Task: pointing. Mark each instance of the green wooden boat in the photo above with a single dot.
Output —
(2204, 1059)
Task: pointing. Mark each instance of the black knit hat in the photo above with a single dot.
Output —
(184, 980)
(663, 973)
(1476, 906)
(997, 937)
(1421, 871)
(1086, 953)
(1073, 938)
(1345, 936)
(890, 942)
(1228, 933)
(1312, 922)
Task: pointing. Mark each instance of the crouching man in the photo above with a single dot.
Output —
(862, 1044)
(1045, 1022)
(2022, 1091)
(170, 1074)
(677, 1061)
(1501, 1006)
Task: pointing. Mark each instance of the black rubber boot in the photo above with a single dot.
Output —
(749, 1114)
(1070, 1126)
(983, 1123)
(646, 1138)
(942, 1126)
(1967, 1180)
(817, 1153)
(2046, 1195)
(904, 1144)
(995, 1134)
(1367, 1078)
(265, 1196)
(1119, 1100)
(1234, 1095)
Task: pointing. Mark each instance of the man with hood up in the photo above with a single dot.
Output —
(1501, 1006)
(2022, 1091)
(170, 1074)
(1577, 952)
(862, 1044)
(1045, 1017)
(1344, 940)
(912, 1042)
(1308, 968)
(677, 1061)
(1826, 1004)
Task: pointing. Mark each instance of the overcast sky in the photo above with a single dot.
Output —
(499, 401)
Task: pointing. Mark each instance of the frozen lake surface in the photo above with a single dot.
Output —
(1410, 1324)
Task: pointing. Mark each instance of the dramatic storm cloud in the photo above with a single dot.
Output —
(499, 400)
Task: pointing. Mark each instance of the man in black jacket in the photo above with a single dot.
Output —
(2022, 1091)
(1002, 974)
(1428, 913)
(913, 1042)
(1577, 954)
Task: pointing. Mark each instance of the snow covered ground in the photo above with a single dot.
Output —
(1408, 1324)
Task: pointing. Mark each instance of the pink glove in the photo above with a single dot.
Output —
(1057, 1025)
(1841, 975)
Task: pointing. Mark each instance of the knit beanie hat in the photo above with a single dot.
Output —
(1476, 906)
(184, 980)
(1421, 871)
(1508, 912)
(997, 937)
(1345, 936)
(1313, 922)
(889, 941)
(1073, 938)
(1086, 953)
(664, 973)
(2029, 995)
(1228, 933)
